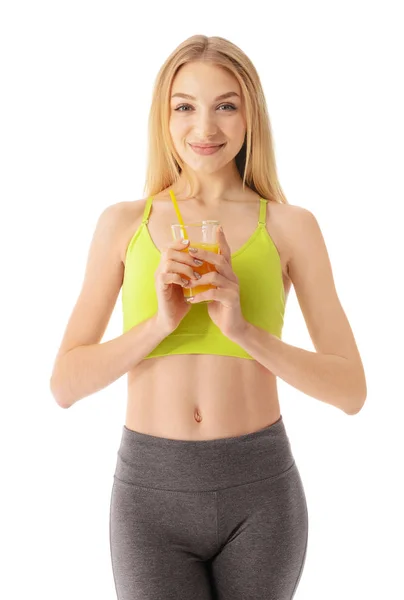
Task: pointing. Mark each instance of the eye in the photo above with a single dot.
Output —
(229, 105)
(182, 106)
(186, 106)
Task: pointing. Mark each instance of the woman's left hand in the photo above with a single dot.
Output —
(225, 310)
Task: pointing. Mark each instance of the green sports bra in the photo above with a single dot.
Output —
(262, 296)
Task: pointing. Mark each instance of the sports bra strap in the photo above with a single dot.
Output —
(147, 209)
(263, 211)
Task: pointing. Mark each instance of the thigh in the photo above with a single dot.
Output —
(263, 528)
(156, 538)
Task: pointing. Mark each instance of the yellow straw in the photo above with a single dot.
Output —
(177, 210)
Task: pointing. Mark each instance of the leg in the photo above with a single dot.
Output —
(158, 541)
(263, 529)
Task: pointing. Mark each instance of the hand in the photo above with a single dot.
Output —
(172, 307)
(225, 310)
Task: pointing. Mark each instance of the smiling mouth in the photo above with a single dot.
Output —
(205, 145)
(210, 149)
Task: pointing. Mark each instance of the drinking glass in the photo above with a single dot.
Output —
(202, 234)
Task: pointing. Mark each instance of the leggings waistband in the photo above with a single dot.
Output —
(203, 465)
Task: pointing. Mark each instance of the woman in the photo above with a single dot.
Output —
(207, 500)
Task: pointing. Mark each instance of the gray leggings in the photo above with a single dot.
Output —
(222, 519)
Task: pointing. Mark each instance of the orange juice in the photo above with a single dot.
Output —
(205, 268)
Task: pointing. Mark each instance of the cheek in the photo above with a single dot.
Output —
(236, 130)
(235, 125)
(178, 127)
(179, 134)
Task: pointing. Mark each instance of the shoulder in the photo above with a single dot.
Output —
(116, 222)
(293, 221)
(288, 224)
(124, 218)
(111, 221)
(300, 225)
(119, 212)
(289, 215)
(303, 239)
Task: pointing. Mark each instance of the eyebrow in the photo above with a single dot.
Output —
(221, 97)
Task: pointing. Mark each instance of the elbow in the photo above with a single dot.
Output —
(357, 402)
(60, 384)
(58, 395)
(357, 392)
(353, 410)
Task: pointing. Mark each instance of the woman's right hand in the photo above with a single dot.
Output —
(171, 276)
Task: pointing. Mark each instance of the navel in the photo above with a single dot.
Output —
(197, 415)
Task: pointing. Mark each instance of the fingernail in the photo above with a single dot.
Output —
(185, 281)
(193, 249)
(185, 242)
(198, 262)
(197, 275)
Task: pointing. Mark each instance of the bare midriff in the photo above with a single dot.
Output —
(221, 396)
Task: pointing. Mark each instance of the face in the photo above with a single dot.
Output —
(199, 116)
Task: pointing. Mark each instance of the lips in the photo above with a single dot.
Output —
(206, 148)
(205, 145)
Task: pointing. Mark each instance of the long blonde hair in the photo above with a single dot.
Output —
(256, 159)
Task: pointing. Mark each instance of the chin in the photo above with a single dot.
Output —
(208, 169)
(206, 164)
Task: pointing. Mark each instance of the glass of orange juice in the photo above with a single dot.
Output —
(201, 235)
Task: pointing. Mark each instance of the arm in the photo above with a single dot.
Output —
(87, 369)
(83, 365)
(334, 373)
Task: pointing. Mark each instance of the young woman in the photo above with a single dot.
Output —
(207, 501)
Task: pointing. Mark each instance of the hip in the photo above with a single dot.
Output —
(147, 461)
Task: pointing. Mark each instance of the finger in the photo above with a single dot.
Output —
(165, 279)
(178, 250)
(175, 258)
(225, 296)
(218, 260)
(172, 266)
(179, 256)
(216, 279)
(179, 244)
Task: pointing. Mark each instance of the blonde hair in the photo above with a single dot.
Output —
(256, 159)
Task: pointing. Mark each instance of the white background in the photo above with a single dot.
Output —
(76, 82)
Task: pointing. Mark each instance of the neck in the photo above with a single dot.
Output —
(210, 189)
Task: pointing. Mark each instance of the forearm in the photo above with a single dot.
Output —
(326, 377)
(87, 369)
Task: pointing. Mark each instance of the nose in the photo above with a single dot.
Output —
(205, 125)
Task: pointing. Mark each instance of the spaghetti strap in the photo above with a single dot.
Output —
(263, 211)
(147, 209)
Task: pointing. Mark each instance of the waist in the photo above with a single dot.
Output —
(188, 465)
